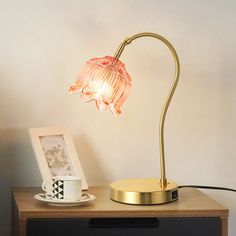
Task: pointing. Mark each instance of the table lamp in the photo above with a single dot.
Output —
(106, 81)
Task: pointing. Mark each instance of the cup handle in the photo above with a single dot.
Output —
(46, 184)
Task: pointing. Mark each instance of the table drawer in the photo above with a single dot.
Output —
(125, 227)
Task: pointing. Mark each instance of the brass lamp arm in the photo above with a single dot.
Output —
(163, 179)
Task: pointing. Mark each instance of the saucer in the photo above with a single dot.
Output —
(61, 202)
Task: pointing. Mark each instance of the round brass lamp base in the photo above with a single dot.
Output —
(143, 191)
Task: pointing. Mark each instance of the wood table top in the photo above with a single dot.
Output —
(191, 203)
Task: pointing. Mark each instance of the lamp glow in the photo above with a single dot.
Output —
(106, 81)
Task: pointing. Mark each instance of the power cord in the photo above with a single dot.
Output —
(207, 187)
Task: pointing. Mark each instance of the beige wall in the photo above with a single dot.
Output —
(44, 43)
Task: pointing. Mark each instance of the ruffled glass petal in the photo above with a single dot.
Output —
(104, 80)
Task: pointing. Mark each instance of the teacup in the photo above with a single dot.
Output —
(63, 188)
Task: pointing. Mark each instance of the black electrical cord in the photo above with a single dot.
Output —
(207, 187)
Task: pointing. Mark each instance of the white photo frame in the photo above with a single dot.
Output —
(56, 154)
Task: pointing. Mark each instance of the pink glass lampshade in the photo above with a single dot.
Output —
(105, 81)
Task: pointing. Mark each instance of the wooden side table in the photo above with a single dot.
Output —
(195, 214)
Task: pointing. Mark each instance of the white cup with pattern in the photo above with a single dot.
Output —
(63, 188)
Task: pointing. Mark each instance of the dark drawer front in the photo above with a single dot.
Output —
(124, 227)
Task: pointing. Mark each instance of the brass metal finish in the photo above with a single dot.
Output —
(143, 191)
(149, 191)
(163, 179)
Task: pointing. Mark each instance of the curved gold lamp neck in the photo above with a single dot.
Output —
(163, 179)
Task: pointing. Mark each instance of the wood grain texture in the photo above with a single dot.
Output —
(191, 203)
(224, 226)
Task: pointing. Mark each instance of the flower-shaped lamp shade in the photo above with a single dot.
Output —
(105, 81)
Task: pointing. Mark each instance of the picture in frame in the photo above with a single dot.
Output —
(56, 154)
